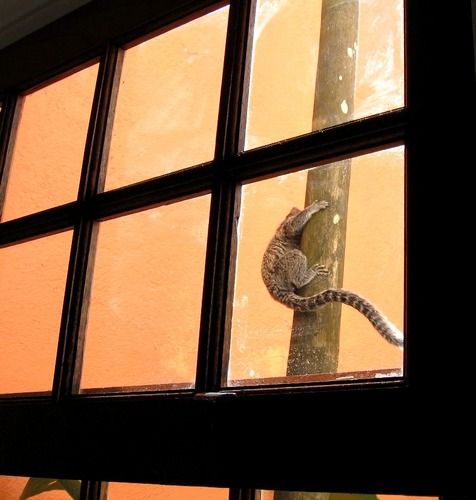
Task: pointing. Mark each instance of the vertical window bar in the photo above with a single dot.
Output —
(236, 79)
(225, 196)
(214, 306)
(243, 494)
(100, 128)
(72, 330)
(93, 490)
(11, 110)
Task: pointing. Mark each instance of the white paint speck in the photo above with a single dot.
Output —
(336, 219)
(344, 107)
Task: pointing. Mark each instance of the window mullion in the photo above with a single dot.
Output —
(216, 285)
(93, 490)
(235, 85)
(225, 197)
(9, 115)
(72, 330)
(93, 173)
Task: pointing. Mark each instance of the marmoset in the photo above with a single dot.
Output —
(285, 269)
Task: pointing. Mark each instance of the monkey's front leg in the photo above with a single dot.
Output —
(300, 220)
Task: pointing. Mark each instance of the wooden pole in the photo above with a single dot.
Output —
(314, 346)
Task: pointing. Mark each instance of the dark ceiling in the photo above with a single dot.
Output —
(19, 18)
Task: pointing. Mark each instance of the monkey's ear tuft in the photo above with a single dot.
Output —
(293, 211)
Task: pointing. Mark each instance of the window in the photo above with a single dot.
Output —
(145, 168)
(12, 488)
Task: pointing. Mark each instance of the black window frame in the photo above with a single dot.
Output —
(257, 439)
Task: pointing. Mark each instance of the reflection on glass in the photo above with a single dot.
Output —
(167, 109)
(319, 63)
(145, 305)
(133, 491)
(13, 487)
(32, 281)
(49, 145)
(363, 251)
(49, 489)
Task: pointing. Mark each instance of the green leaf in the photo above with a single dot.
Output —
(37, 485)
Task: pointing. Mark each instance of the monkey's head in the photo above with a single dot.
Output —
(293, 212)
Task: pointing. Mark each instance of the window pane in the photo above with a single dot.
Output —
(314, 68)
(167, 109)
(49, 145)
(119, 491)
(363, 251)
(307, 495)
(32, 281)
(46, 489)
(146, 297)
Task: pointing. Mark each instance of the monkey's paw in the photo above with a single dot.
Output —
(319, 205)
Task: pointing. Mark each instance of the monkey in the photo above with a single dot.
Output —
(284, 270)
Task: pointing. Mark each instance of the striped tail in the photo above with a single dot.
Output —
(306, 304)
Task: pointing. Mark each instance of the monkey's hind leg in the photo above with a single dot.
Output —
(294, 271)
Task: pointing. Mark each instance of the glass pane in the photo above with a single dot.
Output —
(167, 109)
(132, 491)
(45, 489)
(32, 281)
(49, 145)
(359, 238)
(146, 295)
(319, 63)
(307, 495)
